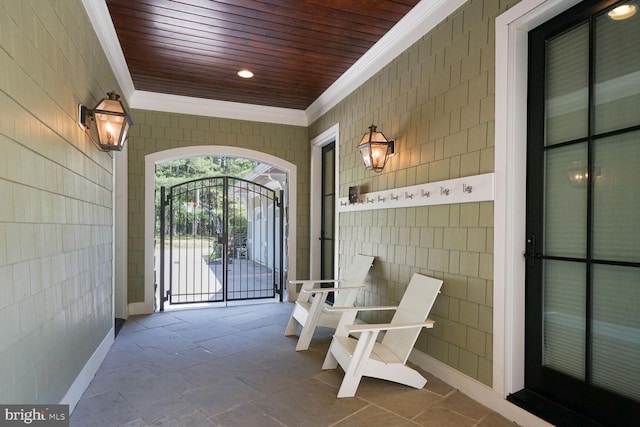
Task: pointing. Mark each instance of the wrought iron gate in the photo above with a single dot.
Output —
(221, 239)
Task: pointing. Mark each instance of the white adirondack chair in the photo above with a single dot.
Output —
(310, 309)
(386, 359)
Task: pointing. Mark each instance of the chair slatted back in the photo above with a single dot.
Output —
(355, 275)
(416, 303)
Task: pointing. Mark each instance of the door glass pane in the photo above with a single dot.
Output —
(616, 329)
(567, 86)
(617, 71)
(328, 215)
(565, 211)
(564, 317)
(616, 225)
(327, 265)
(329, 171)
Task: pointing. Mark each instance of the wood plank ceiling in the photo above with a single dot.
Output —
(295, 48)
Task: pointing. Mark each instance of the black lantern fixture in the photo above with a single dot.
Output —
(111, 122)
(375, 149)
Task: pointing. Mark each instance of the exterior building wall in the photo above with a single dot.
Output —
(437, 100)
(157, 131)
(56, 211)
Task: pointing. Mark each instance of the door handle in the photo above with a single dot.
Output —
(530, 254)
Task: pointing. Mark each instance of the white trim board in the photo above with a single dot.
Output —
(476, 390)
(512, 29)
(330, 135)
(476, 188)
(213, 108)
(87, 373)
(419, 21)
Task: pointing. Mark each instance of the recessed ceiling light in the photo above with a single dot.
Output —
(245, 74)
(622, 12)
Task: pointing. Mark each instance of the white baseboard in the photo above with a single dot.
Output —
(85, 376)
(476, 390)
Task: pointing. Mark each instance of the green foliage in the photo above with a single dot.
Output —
(174, 172)
(178, 171)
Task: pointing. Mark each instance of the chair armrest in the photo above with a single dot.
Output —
(361, 308)
(388, 326)
(327, 290)
(314, 281)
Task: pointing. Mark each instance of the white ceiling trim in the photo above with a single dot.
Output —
(419, 21)
(211, 108)
(103, 26)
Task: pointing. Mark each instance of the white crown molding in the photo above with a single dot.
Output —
(212, 108)
(103, 26)
(419, 21)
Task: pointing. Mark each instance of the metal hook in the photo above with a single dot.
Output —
(424, 193)
(467, 188)
(444, 191)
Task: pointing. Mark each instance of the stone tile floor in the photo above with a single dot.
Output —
(234, 367)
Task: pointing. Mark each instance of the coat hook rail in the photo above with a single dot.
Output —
(474, 189)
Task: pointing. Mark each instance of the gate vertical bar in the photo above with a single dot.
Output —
(225, 238)
(171, 225)
(163, 211)
(275, 243)
(281, 243)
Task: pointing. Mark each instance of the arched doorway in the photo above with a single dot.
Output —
(220, 240)
(151, 160)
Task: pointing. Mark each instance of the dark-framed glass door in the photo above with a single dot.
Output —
(327, 227)
(582, 343)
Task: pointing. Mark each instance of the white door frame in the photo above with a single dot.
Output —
(330, 135)
(512, 29)
(150, 161)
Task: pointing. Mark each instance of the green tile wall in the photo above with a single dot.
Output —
(437, 100)
(56, 210)
(157, 131)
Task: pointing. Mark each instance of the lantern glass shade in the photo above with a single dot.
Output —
(375, 149)
(112, 123)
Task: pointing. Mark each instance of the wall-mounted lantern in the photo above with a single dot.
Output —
(111, 122)
(376, 149)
